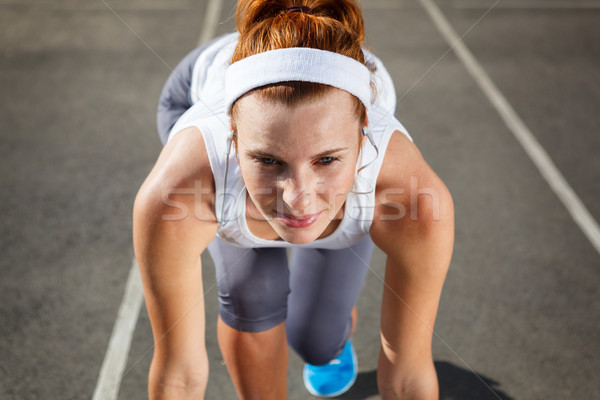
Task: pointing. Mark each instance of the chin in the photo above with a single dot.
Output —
(300, 240)
(299, 236)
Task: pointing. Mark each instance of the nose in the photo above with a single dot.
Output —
(297, 193)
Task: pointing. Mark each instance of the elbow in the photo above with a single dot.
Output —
(141, 214)
(146, 217)
(433, 205)
(152, 203)
(432, 213)
(146, 201)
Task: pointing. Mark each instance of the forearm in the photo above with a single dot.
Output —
(171, 383)
(416, 382)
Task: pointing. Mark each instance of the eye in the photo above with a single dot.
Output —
(266, 160)
(327, 160)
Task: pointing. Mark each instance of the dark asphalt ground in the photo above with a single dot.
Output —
(519, 313)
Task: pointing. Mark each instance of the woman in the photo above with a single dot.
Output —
(282, 149)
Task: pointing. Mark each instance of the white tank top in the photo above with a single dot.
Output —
(210, 117)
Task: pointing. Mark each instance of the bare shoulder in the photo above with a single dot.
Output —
(412, 203)
(183, 160)
(180, 186)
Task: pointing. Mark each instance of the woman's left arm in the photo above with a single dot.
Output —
(414, 226)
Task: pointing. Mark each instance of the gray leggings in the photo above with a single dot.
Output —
(314, 296)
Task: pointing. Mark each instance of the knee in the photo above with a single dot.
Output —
(253, 306)
(317, 347)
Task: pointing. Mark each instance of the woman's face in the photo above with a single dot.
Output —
(298, 162)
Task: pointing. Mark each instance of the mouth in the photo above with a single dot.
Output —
(297, 221)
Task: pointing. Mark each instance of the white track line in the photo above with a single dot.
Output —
(211, 20)
(109, 379)
(532, 147)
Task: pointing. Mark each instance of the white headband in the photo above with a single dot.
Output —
(297, 64)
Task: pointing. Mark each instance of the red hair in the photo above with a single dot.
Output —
(332, 25)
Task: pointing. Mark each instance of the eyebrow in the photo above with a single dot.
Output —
(266, 154)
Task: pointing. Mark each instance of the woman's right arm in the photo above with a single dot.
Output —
(173, 223)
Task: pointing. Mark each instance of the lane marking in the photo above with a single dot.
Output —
(211, 21)
(111, 372)
(107, 387)
(532, 147)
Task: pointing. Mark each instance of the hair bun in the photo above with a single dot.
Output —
(253, 12)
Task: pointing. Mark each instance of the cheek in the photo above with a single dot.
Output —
(261, 186)
(338, 184)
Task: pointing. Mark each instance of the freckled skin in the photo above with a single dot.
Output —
(287, 164)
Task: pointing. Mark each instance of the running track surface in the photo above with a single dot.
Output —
(519, 313)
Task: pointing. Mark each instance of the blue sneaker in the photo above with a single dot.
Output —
(334, 378)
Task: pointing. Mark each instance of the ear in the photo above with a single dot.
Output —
(231, 133)
(365, 125)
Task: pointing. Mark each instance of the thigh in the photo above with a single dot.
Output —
(253, 285)
(325, 285)
(174, 97)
